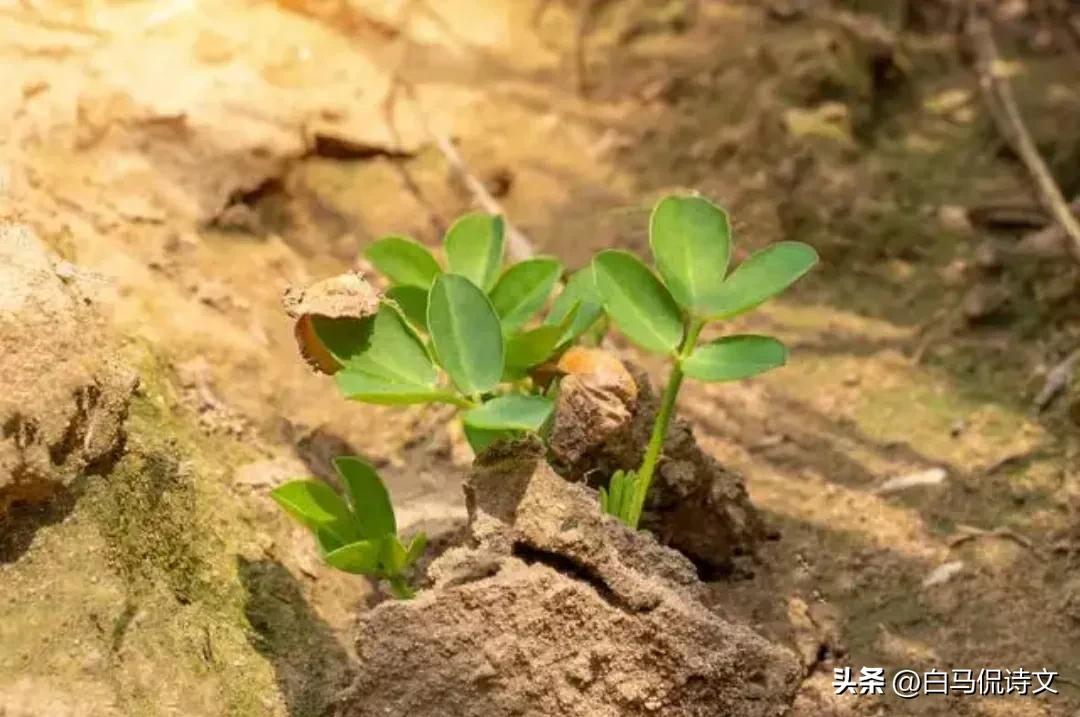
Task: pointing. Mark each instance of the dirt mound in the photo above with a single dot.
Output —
(558, 609)
(64, 399)
(695, 503)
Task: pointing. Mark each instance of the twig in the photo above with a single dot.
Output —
(1003, 108)
(1057, 380)
(438, 224)
(969, 532)
(590, 10)
(1051, 240)
(518, 246)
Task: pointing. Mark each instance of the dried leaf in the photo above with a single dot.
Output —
(340, 297)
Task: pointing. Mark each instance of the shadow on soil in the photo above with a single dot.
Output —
(310, 663)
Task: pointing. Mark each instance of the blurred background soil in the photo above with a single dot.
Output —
(192, 159)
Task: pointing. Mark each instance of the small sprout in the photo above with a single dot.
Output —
(358, 535)
(690, 240)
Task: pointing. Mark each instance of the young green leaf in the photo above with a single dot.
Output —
(412, 300)
(734, 357)
(416, 549)
(580, 291)
(640, 306)
(368, 496)
(466, 334)
(359, 558)
(318, 507)
(404, 261)
(691, 243)
(760, 277)
(533, 347)
(365, 387)
(522, 290)
(383, 345)
(512, 412)
(480, 438)
(384, 359)
(474, 248)
(394, 557)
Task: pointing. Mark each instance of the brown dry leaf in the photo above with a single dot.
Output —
(347, 296)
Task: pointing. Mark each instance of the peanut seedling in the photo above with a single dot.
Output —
(358, 535)
(690, 240)
(464, 336)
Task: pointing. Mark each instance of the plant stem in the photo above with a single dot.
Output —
(455, 400)
(660, 425)
(399, 586)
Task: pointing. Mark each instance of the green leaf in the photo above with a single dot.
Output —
(328, 541)
(513, 412)
(474, 248)
(384, 359)
(734, 357)
(604, 500)
(404, 261)
(762, 276)
(466, 334)
(394, 556)
(480, 438)
(416, 549)
(522, 290)
(318, 507)
(365, 387)
(412, 300)
(640, 306)
(368, 496)
(533, 347)
(359, 558)
(580, 291)
(384, 345)
(691, 244)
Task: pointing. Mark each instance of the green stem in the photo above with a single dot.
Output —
(660, 426)
(455, 400)
(399, 587)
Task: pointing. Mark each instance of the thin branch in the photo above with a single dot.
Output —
(1057, 380)
(518, 245)
(1003, 108)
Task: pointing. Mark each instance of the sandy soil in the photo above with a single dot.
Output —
(191, 160)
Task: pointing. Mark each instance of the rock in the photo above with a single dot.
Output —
(694, 504)
(65, 397)
(555, 608)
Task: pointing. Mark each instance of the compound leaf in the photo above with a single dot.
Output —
(734, 357)
(759, 278)
(318, 507)
(474, 248)
(359, 558)
(691, 244)
(368, 496)
(404, 261)
(412, 300)
(641, 307)
(416, 549)
(522, 290)
(466, 334)
(384, 345)
(580, 291)
(513, 412)
(480, 438)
